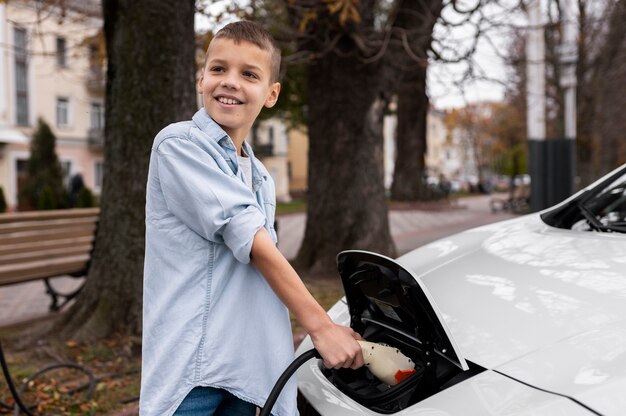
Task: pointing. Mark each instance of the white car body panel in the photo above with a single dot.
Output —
(589, 367)
(560, 288)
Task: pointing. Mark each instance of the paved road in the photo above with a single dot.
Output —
(409, 228)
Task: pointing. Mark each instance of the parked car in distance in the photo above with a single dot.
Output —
(521, 317)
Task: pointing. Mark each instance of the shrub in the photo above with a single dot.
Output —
(85, 198)
(44, 185)
(47, 199)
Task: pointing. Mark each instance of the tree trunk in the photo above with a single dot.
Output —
(417, 18)
(150, 83)
(410, 167)
(346, 197)
(610, 73)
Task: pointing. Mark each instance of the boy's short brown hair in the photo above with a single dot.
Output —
(254, 33)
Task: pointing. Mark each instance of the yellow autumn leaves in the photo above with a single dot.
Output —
(347, 11)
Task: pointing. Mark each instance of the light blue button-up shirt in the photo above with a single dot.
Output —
(209, 317)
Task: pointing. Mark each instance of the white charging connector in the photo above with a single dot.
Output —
(386, 363)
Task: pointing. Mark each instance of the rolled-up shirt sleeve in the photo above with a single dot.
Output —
(214, 204)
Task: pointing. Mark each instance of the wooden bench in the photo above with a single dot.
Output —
(38, 245)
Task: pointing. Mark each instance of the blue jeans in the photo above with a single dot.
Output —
(207, 401)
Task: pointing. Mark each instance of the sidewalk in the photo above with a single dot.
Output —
(409, 228)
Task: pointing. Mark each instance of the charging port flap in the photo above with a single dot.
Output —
(379, 290)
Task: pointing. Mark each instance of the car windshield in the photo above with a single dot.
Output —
(605, 210)
(599, 208)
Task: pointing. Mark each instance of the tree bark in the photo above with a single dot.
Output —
(609, 75)
(346, 207)
(417, 18)
(150, 83)
(410, 168)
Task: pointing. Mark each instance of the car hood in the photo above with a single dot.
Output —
(532, 301)
(589, 368)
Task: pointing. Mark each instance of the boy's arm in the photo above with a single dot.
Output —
(336, 344)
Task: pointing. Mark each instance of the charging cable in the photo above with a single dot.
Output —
(7, 376)
(285, 376)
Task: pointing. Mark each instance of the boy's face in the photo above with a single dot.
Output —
(235, 85)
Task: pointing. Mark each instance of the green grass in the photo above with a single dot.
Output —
(297, 205)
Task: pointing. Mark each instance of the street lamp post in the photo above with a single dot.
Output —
(552, 163)
(568, 57)
(536, 106)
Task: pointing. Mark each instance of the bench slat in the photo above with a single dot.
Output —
(56, 224)
(52, 253)
(31, 236)
(16, 273)
(12, 217)
(26, 247)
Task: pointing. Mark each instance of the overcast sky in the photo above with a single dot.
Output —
(488, 61)
(445, 94)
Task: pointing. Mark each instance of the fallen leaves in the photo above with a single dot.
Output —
(114, 363)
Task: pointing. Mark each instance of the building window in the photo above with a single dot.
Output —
(21, 76)
(63, 110)
(97, 116)
(98, 175)
(271, 134)
(61, 52)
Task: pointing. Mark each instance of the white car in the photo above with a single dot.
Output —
(522, 317)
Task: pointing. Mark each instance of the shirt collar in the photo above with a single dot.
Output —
(209, 127)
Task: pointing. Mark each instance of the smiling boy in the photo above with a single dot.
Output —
(216, 332)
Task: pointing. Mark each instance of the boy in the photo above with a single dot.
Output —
(216, 330)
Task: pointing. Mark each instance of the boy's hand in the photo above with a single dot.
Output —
(338, 347)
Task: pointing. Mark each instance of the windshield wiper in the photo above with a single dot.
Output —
(595, 223)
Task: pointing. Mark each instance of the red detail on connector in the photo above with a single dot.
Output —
(402, 375)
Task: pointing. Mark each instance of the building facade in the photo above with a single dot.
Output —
(270, 141)
(51, 67)
(442, 156)
(298, 161)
